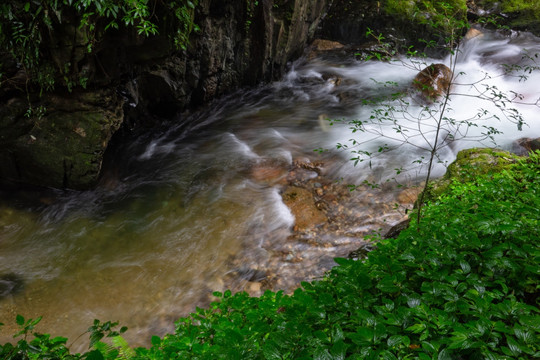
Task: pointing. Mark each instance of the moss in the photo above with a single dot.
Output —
(447, 13)
(518, 14)
(468, 166)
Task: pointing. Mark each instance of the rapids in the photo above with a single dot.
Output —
(178, 213)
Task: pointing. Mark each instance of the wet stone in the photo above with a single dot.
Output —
(10, 284)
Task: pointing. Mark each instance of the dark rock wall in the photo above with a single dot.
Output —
(137, 81)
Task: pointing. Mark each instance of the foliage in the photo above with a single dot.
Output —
(445, 18)
(466, 286)
(30, 32)
(43, 347)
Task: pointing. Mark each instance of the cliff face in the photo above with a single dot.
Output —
(132, 80)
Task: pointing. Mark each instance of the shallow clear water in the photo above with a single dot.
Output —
(179, 212)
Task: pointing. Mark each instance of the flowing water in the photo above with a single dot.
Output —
(182, 211)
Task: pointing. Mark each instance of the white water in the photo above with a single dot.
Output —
(179, 211)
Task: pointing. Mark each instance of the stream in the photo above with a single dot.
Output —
(195, 206)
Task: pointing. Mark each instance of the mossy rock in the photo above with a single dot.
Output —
(65, 147)
(517, 14)
(468, 165)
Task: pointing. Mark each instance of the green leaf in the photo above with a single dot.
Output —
(95, 355)
(417, 328)
(271, 351)
(397, 340)
(322, 354)
(444, 354)
(337, 334)
(156, 341)
(387, 355)
(339, 350)
(20, 320)
(513, 345)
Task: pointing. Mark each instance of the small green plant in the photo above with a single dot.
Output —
(41, 346)
(29, 28)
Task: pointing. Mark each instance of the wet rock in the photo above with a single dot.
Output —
(10, 284)
(64, 148)
(138, 81)
(432, 82)
(249, 274)
(321, 46)
(302, 205)
(397, 229)
(254, 288)
(362, 251)
(525, 145)
(268, 172)
(473, 33)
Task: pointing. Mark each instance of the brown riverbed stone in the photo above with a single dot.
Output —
(302, 205)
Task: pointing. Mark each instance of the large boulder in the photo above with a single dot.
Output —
(432, 82)
(64, 146)
(469, 164)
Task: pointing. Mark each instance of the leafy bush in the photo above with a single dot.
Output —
(464, 285)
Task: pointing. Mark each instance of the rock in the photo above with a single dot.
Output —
(409, 196)
(362, 251)
(249, 274)
(302, 205)
(395, 230)
(64, 148)
(525, 145)
(432, 82)
(303, 170)
(268, 172)
(254, 288)
(326, 45)
(473, 33)
(239, 44)
(320, 46)
(468, 165)
(10, 284)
